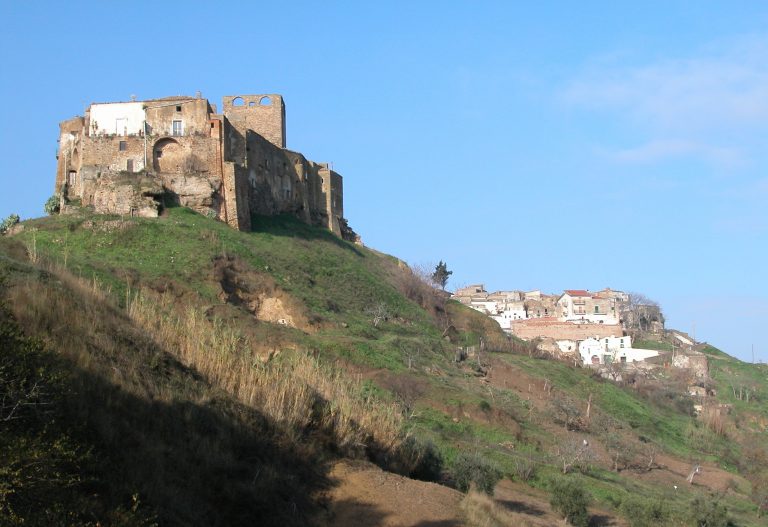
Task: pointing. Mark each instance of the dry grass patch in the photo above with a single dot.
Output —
(480, 510)
(297, 391)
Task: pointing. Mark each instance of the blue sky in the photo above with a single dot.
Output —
(545, 145)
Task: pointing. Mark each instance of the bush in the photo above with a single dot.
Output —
(474, 470)
(52, 205)
(524, 469)
(709, 513)
(570, 500)
(9, 222)
(429, 462)
(645, 513)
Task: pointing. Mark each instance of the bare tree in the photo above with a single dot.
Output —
(649, 451)
(567, 412)
(640, 312)
(378, 313)
(695, 469)
(575, 453)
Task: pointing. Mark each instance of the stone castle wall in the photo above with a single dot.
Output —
(552, 328)
(231, 165)
(263, 114)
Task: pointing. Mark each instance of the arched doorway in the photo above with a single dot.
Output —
(167, 155)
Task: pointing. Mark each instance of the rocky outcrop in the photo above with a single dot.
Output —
(199, 192)
(142, 194)
(130, 195)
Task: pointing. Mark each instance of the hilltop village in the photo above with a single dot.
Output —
(591, 328)
(133, 158)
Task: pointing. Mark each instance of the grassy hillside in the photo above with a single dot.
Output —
(190, 356)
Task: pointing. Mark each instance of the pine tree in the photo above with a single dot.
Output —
(441, 274)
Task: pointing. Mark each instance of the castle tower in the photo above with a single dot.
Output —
(264, 114)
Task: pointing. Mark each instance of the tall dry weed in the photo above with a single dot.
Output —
(299, 392)
(480, 510)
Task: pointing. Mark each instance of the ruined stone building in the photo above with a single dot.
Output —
(132, 157)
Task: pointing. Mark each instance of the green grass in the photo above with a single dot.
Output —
(338, 284)
(652, 345)
(665, 426)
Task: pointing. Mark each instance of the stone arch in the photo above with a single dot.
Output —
(265, 100)
(167, 155)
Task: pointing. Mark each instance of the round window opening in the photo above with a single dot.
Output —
(265, 101)
(238, 101)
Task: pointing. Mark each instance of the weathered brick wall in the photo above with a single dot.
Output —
(68, 154)
(193, 113)
(552, 328)
(104, 152)
(275, 178)
(236, 190)
(263, 113)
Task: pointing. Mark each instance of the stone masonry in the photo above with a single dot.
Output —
(132, 157)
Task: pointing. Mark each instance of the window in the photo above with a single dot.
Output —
(177, 128)
(123, 146)
(178, 108)
(597, 309)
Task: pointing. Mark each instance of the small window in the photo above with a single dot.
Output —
(597, 309)
(178, 108)
(177, 128)
(123, 146)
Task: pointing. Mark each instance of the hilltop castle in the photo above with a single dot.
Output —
(131, 157)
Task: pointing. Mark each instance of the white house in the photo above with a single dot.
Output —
(509, 311)
(612, 349)
(580, 306)
(117, 118)
(592, 351)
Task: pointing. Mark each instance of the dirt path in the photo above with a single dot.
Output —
(364, 495)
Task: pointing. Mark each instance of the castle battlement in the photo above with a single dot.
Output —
(131, 157)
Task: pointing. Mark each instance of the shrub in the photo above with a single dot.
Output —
(524, 468)
(9, 222)
(645, 513)
(570, 500)
(709, 513)
(52, 205)
(474, 470)
(428, 463)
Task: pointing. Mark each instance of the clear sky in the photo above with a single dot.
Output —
(530, 145)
